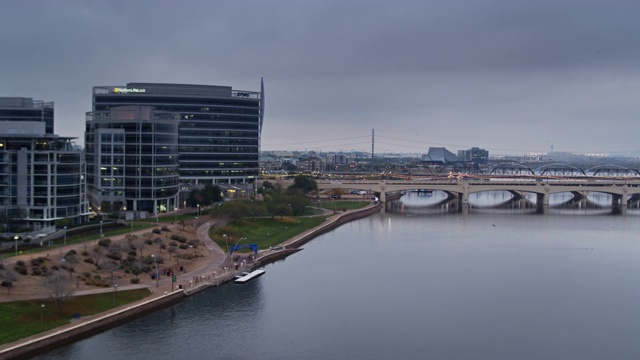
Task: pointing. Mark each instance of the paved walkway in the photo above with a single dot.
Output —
(210, 273)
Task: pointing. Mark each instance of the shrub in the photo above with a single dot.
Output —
(104, 242)
(183, 246)
(157, 231)
(89, 261)
(135, 280)
(86, 275)
(148, 242)
(179, 238)
(36, 271)
(22, 270)
(20, 263)
(114, 256)
(97, 277)
(37, 261)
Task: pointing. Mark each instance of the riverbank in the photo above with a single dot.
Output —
(215, 273)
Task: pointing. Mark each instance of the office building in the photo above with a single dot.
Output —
(41, 178)
(474, 155)
(27, 109)
(218, 139)
(132, 159)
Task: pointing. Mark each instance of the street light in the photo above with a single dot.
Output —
(41, 315)
(101, 229)
(198, 211)
(65, 235)
(115, 290)
(226, 242)
(16, 240)
(156, 265)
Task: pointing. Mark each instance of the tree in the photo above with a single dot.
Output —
(305, 183)
(8, 277)
(110, 267)
(72, 260)
(96, 255)
(58, 287)
(205, 197)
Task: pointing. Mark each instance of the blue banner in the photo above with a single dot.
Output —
(234, 248)
(253, 247)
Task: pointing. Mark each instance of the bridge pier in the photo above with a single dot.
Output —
(542, 203)
(619, 203)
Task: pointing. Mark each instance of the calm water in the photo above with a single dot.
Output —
(418, 282)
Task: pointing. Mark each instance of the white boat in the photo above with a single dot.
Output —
(246, 277)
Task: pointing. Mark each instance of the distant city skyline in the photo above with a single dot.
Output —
(513, 77)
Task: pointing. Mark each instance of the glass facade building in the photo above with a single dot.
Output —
(219, 127)
(27, 109)
(132, 159)
(41, 178)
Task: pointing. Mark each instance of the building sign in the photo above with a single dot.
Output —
(242, 94)
(127, 90)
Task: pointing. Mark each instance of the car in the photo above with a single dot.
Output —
(336, 196)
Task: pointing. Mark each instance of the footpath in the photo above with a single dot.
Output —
(218, 270)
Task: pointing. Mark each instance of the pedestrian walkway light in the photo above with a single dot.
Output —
(156, 265)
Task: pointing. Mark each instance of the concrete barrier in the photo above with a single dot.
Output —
(70, 333)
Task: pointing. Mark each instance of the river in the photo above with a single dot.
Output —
(418, 281)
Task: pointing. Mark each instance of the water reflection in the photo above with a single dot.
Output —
(559, 203)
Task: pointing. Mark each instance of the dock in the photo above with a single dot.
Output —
(248, 276)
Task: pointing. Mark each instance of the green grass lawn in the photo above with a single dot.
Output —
(265, 232)
(21, 319)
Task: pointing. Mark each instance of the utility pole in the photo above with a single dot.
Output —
(373, 141)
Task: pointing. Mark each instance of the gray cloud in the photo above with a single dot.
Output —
(511, 76)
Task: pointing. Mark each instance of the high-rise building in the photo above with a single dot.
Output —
(218, 136)
(475, 155)
(132, 159)
(41, 178)
(27, 109)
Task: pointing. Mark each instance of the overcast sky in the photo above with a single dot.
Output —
(510, 76)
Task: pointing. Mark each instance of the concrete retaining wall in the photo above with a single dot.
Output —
(71, 333)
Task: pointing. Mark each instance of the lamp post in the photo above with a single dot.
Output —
(101, 229)
(115, 290)
(41, 316)
(155, 263)
(226, 241)
(198, 213)
(234, 245)
(65, 235)
(175, 215)
(16, 240)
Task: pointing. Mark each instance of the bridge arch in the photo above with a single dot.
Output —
(510, 169)
(559, 169)
(612, 170)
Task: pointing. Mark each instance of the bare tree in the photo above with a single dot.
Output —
(8, 277)
(159, 241)
(172, 249)
(96, 255)
(140, 244)
(58, 287)
(110, 267)
(166, 230)
(71, 260)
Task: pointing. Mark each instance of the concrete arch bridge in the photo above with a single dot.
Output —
(621, 190)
